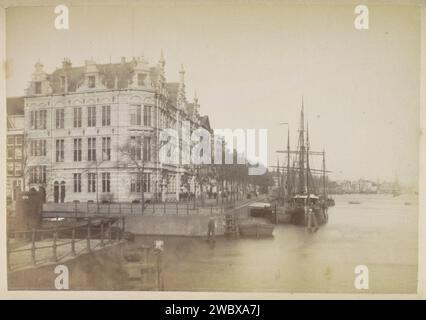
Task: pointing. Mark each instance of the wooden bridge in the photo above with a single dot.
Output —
(30, 248)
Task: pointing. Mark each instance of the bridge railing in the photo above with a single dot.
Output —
(93, 209)
(32, 241)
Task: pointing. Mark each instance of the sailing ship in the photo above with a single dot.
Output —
(396, 189)
(302, 196)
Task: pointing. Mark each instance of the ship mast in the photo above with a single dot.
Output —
(323, 176)
(302, 152)
(307, 162)
(288, 162)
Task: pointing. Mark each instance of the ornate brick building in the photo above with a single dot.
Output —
(92, 130)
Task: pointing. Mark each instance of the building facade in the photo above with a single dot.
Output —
(92, 131)
(15, 147)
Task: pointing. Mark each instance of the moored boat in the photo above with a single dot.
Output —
(262, 210)
(299, 185)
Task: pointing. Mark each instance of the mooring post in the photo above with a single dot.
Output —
(102, 233)
(33, 248)
(158, 249)
(54, 246)
(276, 216)
(88, 234)
(109, 231)
(177, 208)
(8, 250)
(73, 241)
(158, 271)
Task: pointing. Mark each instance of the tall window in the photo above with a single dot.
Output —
(91, 116)
(77, 149)
(171, 187)
(43, 119)
(18, 140)
(38, 119)
(91, 149)
(147, 149)
(106, 116)
(60, 118)
(37, 174)
(18, 168)
(37, 87)
(136, 182)
(91, 182)
(135, 148)
(106, 181)
(60, 150)
(77, 182)
(147, 116)
(18, 153)
(77, 117)
(135, 185)
(37, 147)
(92, 81)
(106, 148)
(10, 169)
(147, 182)
(32, 119)
(135, 115)
(10, 152)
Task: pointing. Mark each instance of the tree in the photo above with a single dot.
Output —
(133, 156)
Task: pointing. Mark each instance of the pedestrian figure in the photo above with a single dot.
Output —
(211, 230)
(314, 219)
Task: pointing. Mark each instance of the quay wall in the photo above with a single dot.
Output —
(172, 225)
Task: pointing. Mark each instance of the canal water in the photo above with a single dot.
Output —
(379, 232)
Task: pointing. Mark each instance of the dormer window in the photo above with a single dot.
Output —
(37, 87)
(92, 81)
(141, 79)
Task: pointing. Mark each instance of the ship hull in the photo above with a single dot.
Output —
(298, 216)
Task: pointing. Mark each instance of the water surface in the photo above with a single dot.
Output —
(380, 232)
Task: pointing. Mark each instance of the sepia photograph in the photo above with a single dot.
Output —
(212, 146)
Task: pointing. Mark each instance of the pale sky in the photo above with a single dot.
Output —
(252, 63)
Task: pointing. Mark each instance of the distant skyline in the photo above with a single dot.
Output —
(251, 64)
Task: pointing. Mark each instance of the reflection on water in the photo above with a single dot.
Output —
(380, 232)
